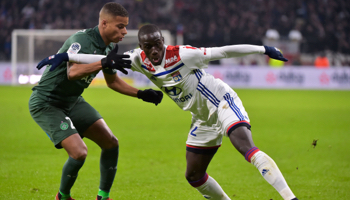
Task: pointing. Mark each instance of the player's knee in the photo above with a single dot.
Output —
(79, 154)
(111, 143)
(193, 176)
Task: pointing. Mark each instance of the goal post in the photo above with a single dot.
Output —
(29, 46)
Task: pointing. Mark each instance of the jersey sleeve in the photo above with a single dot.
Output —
(231, 51)
(135, 59)
(195, 58)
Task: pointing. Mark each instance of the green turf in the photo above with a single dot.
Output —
(152, 148)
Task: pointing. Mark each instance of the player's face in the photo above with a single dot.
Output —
(115, 29)
(153, 46)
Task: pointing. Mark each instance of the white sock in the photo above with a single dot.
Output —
(209, 188)
(269, 170)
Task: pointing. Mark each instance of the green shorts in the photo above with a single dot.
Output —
(62, 120)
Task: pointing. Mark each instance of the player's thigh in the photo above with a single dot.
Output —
(101, 134)
(55, 123)
(204, 137)
(90, 124)
(83, 115)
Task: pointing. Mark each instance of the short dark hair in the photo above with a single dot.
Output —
(149, 28)
(115, 9)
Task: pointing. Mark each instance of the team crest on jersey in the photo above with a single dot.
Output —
(176, 76)
(64, 126)
(74, 48)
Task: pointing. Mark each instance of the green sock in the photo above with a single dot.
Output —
(64, 196)
(69, 174)
(103, 194)
(108, 168)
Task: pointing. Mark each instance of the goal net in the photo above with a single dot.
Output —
(31, 46)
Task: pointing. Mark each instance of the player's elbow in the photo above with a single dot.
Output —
(71, 76)
(114, 86)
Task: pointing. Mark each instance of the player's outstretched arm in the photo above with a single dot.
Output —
(243, 50)
(119, 85)
(112, 60)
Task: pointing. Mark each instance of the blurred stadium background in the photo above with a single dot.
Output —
(286, 122)
(303, 30)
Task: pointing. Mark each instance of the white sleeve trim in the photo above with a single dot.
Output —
(235, 51)
(84, 58)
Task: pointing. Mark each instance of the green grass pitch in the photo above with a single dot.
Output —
(152, 148)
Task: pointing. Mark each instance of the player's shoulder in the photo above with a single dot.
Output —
(81, 35)
(82, 39)
(188, 51)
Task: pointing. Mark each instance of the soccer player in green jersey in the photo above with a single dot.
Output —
(59, 109)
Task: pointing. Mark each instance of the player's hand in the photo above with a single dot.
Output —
(274, 53)
(151, 96)
(54, 61)
(116, 61)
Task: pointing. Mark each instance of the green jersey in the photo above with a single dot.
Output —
(55, 86)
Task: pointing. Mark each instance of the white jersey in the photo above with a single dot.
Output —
(214, 106)
(182, 77)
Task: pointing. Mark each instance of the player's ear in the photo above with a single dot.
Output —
(104, 23)
(140, 46)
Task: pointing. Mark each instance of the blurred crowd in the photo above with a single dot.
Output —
(323, 24)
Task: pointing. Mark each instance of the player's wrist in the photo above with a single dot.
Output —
(140, 94)
(267, 50)
(104, 63)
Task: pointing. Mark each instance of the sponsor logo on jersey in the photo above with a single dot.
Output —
(176, 76)
(182, 99)
(87, 79)
(170, 60)
(172, 91)
(172, 56)
(74, 48)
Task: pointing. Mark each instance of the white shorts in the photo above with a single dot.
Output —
(230, 114)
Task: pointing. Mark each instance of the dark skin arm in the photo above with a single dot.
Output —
(117, 84)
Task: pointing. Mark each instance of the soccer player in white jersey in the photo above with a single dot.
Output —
(216, 109)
